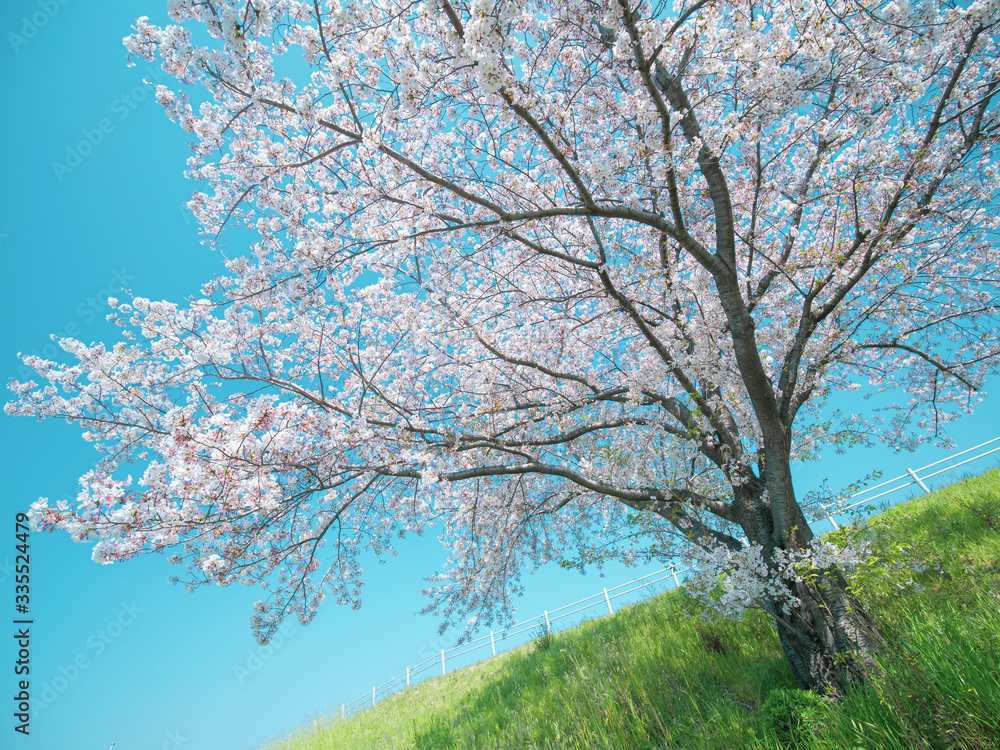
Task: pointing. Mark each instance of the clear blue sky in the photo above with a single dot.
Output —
(127, 657)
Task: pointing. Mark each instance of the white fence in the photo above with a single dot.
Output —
(506, 639)
(914, 476)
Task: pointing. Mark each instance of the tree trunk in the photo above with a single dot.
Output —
(829, 640)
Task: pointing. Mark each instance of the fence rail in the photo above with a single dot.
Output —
(670, 574)
(910, 478)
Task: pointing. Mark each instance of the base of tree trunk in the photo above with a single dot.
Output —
(830, 641)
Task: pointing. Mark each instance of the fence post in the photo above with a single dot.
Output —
(373, 695)
(493, 643)
(607, 600)
(918, 480)
(677, 584)
(343, 711)
(548, 625)
(407, 677)
(830, 517)
(442, 661)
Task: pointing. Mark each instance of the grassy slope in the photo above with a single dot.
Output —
(655, 676)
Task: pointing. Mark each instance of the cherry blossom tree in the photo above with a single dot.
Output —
(565, 281)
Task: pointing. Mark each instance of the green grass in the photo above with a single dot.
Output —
(655, 675)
